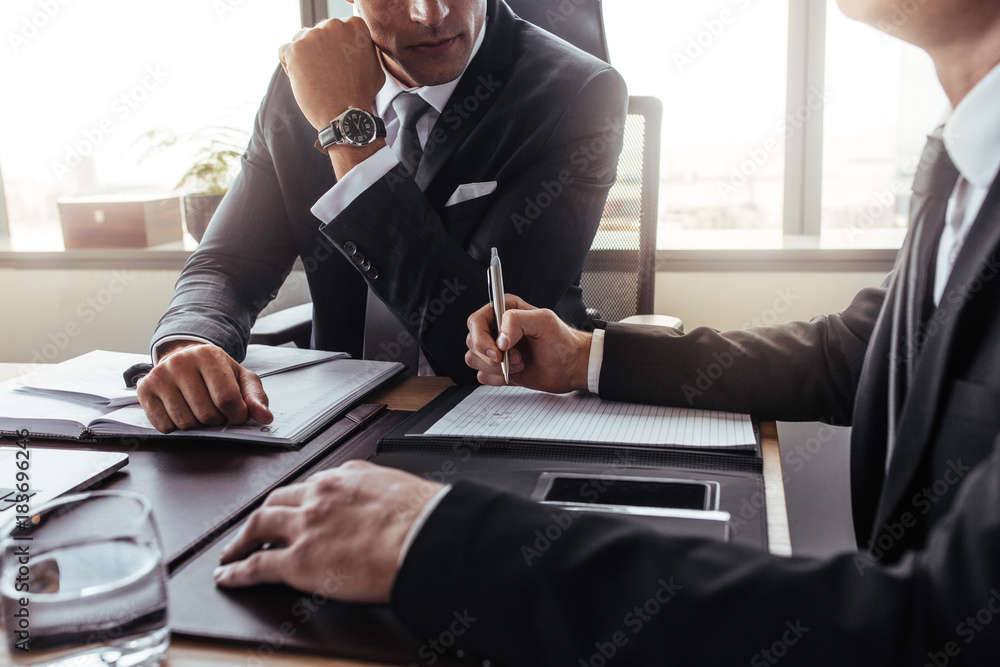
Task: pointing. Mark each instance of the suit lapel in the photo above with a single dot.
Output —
(474, 96)
(976, 262)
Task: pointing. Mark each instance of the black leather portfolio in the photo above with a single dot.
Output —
(639, 482)
(265, 619)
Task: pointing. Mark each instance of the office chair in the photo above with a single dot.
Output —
(579, 22)
(619, 273)
(620, 270)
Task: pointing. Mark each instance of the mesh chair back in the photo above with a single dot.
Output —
(579, 22)
(620, 270)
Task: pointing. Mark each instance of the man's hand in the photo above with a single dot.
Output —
(197, 384)
(332, 66)
(545, 353)
(339, 533)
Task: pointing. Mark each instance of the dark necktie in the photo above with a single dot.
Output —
(933, 185)
(385, 336)
(409, 108)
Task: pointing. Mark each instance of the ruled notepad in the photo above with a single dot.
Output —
(517, 413)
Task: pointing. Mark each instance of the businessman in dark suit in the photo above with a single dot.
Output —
(499, 135)
(914, 365)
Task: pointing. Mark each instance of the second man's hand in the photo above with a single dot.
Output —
(545, 353)
(197, 384)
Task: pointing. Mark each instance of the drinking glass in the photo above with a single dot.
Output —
(82, 583)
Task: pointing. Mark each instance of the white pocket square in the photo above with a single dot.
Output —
(471, 191)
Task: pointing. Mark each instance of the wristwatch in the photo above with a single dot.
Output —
(355, 127)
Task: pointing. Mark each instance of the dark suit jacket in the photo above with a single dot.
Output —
(925, 589)
(539, 117)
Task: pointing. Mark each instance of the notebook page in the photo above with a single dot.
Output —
(519, 413)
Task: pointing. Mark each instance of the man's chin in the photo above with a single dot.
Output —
(434, 74)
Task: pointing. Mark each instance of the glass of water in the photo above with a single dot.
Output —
(82, 583)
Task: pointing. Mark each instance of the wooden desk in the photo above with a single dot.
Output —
(412, 394)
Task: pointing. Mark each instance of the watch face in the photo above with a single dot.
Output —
(357, 127)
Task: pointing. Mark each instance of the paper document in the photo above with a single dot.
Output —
(96, 378)
(517, 413)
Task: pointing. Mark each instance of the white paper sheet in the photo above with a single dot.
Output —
(518, 413)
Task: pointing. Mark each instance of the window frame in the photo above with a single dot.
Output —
(803, 182)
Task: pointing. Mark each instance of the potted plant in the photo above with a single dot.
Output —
(207, 179)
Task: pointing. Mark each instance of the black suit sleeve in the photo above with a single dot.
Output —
(433, 282)
(245, 256)
(545, 590)
(801, 371)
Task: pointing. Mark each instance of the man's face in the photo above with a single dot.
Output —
(427, 41)
(927, 23)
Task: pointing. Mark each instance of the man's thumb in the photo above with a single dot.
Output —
(255, 397)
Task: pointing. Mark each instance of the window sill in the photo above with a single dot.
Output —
(873, 251)
(710, 252)
(170, 257)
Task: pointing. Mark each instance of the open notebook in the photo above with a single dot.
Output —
(302, 400)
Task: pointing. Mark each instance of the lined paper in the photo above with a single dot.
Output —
(518, 413)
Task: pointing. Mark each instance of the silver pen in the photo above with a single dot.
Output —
(494, 283)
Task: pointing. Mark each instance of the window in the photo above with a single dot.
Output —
(84, 81)
(719, 67)
(785, 123)
(882, 100)
(781, 120)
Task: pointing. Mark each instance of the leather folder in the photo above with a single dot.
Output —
(269, 618)
(198, 489)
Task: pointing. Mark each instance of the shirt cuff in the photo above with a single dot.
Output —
(596, 360)
(155, 350)
(419, 522)
(354, 182)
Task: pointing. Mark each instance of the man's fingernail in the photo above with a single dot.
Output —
(492, 354)
(220, 572)
(502, 341)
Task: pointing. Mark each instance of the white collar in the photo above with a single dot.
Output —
(436, 96)
(972, 132)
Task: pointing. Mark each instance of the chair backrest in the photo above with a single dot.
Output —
(620, 270)
(579, 22)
